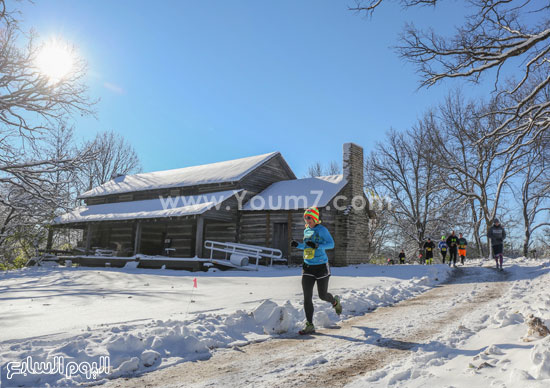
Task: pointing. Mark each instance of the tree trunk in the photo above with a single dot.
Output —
(478, 239)
(490, 250)
(526, 242)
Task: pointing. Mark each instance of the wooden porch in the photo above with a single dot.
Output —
(181, 237)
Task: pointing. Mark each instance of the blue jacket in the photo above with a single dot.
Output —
(321, 236)
(442, 244)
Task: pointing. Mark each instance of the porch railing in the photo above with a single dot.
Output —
(251, 251)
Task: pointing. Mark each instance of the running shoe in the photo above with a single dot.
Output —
(337, 305)
(308, 329)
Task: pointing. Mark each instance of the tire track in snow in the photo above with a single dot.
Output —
(337, 356)
(392, 349)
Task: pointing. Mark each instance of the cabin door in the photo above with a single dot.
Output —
(280, 237)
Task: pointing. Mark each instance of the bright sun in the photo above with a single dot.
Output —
(55, 60)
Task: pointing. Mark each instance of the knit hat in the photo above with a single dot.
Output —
(442, 238)
(496, 221)
(313, 212)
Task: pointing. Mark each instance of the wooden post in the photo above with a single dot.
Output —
(137, 240)
(267, 227)
(88, 238)
(289, 248)
(49, 243)
(238, 228)
(199, 236)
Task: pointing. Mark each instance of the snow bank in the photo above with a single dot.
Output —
(485, 347)
(540, 356)
(145, 346)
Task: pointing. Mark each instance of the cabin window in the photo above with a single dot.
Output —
(279, 237)
(125, 197)
(95, 201)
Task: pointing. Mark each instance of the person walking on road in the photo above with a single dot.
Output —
(429, 247)
(462, 244)
(497, 234)
(443, 249)
(452, 243)
(402, 257)
(315, 268)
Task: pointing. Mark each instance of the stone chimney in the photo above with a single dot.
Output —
(353, 167)
(352, 223)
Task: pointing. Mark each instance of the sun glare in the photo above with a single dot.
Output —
(55, 60)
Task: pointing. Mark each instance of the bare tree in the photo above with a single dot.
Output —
(543, 245)
(369, 6)
(400, 170)
(472, 163)
(495, 37)
(32, 107)
(114, 156)
(26, 211)
(454, 114)
(379, 232)
(316, 169)
(35, 157)
(534, 192)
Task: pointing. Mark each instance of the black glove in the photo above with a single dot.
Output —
(311, 244)
(294, 243)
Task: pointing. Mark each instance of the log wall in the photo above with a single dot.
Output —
(256, 228)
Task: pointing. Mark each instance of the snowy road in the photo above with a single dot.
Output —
(338, 356)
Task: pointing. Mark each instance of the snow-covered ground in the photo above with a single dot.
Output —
(149, 319)
(467, 332)
(489, 347)
(471, 332)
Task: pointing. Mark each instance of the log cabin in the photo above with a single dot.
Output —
(255, 200)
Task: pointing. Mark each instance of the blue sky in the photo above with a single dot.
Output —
(194, 82)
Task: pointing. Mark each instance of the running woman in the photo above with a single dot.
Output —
(443, 249)
(315, 269)
(462, 244)
(497, 234)
(452, 242)
(429, 246)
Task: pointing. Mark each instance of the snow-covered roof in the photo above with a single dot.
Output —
(297, 193)
(227, 171)
(150, 208)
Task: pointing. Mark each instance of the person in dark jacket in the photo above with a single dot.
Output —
(497, 234)
(462, 244)
(402, 257)
(452, 243)
(429, 247)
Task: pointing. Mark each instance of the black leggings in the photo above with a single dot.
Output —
(322, 286)
(443, 255)
(452, 256)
